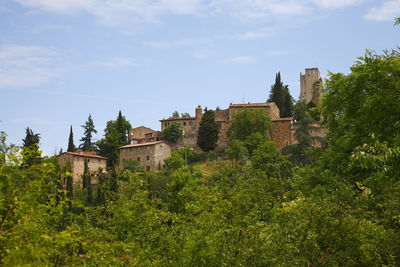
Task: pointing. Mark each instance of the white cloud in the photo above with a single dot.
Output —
(332, 4)
(128, 12)
(113, 12)
(240, 60)
(273, 53)
(386, 12)
(256, 10)
(115, 63)
(263, 33)
(177, 43)
(26, 65)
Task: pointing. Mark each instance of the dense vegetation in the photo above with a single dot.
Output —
(255, 209)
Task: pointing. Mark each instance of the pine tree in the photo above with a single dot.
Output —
(87, 144)
(208, 131)
(115, 135)
(71, 145)
(30, 148)
(280, 95)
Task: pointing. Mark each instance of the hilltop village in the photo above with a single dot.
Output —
(149, 149)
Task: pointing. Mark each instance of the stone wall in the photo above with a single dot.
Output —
(77, 166)
(151, 155)
(281, 132)
(309, 85)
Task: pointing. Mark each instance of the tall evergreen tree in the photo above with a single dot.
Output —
(71, 145)
(115, 135)
(281, 96)
(30, 148)
(208, 131)
(87, 144)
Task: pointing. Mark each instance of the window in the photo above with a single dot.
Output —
(138, 159)
(166, 124)
(147, 168)
(148, 157)
(286, 132)
(286, 143)
(88, 160)
(184, 123)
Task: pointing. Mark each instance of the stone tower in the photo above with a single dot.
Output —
(310, 83)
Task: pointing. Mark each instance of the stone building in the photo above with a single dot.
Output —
(76, 160)
(189, 126)
(150, 155)
(280, 132)
(310, 83)
(143, 135)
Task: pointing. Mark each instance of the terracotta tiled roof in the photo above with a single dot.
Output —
(141, 144)
(178, 119)
(251, 105)
(85, 154)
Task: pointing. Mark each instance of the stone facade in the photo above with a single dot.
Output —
(280, 133)
(150, 155)
(310, 83)
(143, 135)
(76, 160)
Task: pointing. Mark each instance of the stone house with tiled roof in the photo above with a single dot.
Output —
(76, 160)
(150, 155)
(280, 133)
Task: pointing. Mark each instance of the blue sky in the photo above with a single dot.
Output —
(61, 60)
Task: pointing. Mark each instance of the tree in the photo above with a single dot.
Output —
(208, 132)
(237, 152)
(89, 130)
(185, 115)
(303, 152)
(87, 183)
(280, 95)
(362, 107)
(172, 133)
(247, 122)
(132, 165)
(175, 115)
(71, 145)
(30, 148)
(115, 135)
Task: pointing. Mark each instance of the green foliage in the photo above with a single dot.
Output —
(247, 122)
(89, 130)
(185, 115)
(264, 213)
(172, 133)
(115, 135)
(303, 152)
(280, 95)
(363, 106)
(71, 145)
(30, 148)
(208, 132)
(174, 162)
(237, 151)
(132, 165)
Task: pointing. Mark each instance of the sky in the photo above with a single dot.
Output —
(61, 60)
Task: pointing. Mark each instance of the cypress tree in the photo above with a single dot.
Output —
(85, 174)
(87, 144)
(208, 132)
(30, 148)
(280, 95)
(71, 145)
(70, 187)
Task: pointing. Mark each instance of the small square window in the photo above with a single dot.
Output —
(148, 157)
(138, 159)
(184, 123)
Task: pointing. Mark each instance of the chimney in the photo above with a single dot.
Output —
(199, 112)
